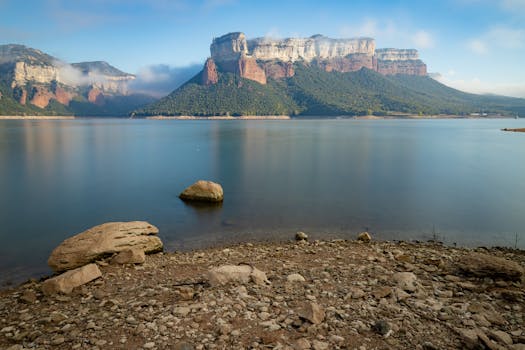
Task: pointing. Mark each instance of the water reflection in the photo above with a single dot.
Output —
(332, 178)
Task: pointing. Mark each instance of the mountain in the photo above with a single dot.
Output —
(35, 83)
(318, 76)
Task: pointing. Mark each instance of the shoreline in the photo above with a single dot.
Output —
(270, 117)
(35, 117)
(451, 301)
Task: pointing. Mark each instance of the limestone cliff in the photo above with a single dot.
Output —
(275, 57)
(37, 78)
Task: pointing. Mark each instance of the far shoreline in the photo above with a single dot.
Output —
(269, 117)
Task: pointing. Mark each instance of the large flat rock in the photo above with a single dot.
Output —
(65, 282)
(102, 241)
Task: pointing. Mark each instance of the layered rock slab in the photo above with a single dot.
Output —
(102, 241)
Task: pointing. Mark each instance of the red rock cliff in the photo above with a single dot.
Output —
(209, 74)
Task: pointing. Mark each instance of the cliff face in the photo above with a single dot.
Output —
(275, 58)
(37, 78)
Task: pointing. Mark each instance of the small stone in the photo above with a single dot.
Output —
(130, 256)
(469, 337)
(381, 327)
(301, 236)
(149, 345)
(355, 293)
(336, 339)
(58, 340)
(302, 344)
(429, 346)
(364, 237)
(312, 312)
(28, 297)
(382, 292)
(236, 273)
(501, 337)
(406, 281)
(319, 345)
(295, 277)
(203, 191)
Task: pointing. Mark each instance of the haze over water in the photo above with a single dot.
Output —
(400, 179)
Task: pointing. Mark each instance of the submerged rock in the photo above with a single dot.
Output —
(65, 282)
(102, 241)
(203, 191)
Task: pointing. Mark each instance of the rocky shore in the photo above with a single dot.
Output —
(295, 295)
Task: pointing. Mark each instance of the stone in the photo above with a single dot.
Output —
(129, 256)
(301, 236)
(302, 344)
(65, 282)
(236, 273)
(295, 277)
(102, 241)
(149, 345)
(183, 346)
(405, 281)
(381, 327)
(469, 337)
(320, 345)
(364, 237)
(484, 265)
(209, 73)
(203, 191)
(382, 292)
(355, 293)
(312, 312)
(501, 337)
(28, 297)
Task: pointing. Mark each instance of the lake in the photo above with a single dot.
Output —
(462, 181)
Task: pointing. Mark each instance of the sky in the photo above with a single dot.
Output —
(474, 45)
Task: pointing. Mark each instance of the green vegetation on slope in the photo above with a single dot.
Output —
(232, 95)
(314, 92)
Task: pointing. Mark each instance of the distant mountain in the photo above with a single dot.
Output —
(35, 83)
(318, 76)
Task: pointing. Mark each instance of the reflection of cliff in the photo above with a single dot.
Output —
(262, 58)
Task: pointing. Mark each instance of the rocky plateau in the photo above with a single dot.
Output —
(262, 58)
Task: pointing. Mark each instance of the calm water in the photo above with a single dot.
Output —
(401, 179)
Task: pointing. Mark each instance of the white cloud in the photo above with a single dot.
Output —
(498, 37)
(478, 86)
(422, 39)
(513, 5)
(477, 46)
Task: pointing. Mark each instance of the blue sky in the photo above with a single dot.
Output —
(476, 45)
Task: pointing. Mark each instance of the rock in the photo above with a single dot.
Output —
(355, 293)
(312, 312)
(501, 337)
(469, 337)
(236, 273)
(381, 327)
(382, 292)
(301, 236)
(104, 240)
(65, 282)
(319, 345)
(406, 281)
(302, 344)
(209, 73)
(484, 265)
(129, 256)
(149, 345)
(183, 346)
(295, 277)
(203, 191)
(28, 297)
(364, 237)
